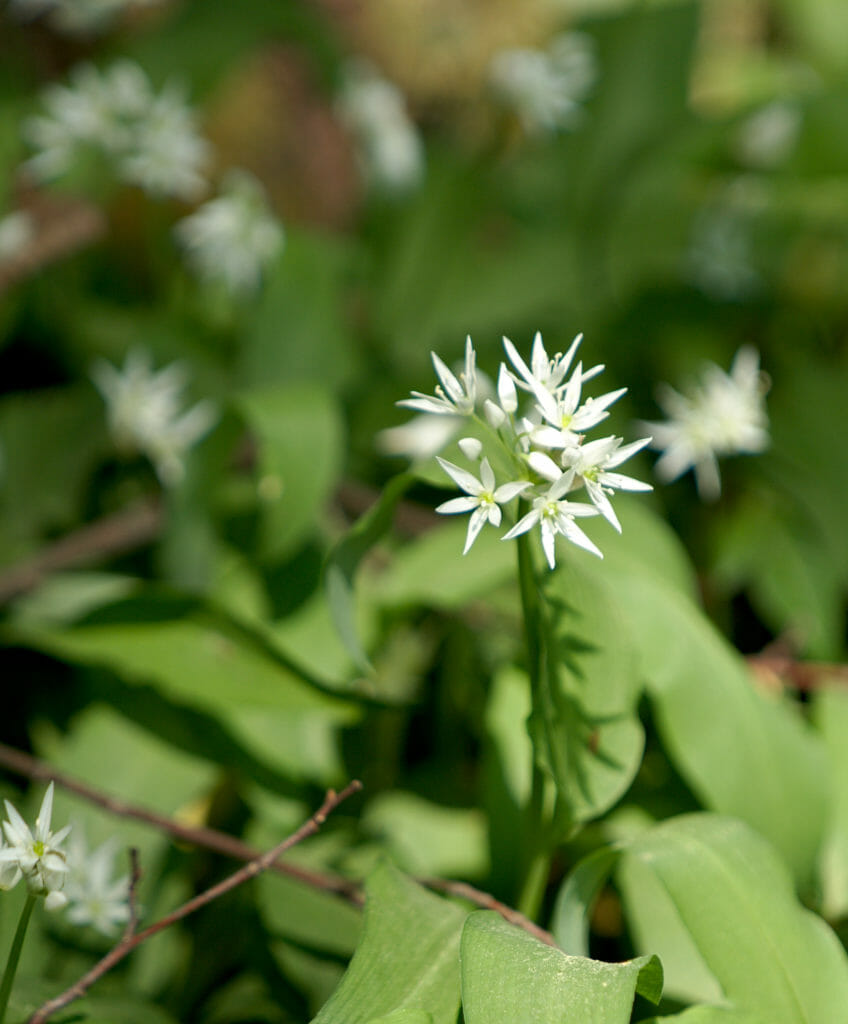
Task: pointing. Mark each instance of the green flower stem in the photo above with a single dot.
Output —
(537, 829)
(15, 954)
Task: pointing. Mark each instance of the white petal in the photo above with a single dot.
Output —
(475, 525)
(495, 416)
(487, 477)
(471, 447)
(506, 492)
(468, 483)
(573, 532)
(456, 505)
(549, 543)
(507, 394)
(451, 385)
(524, 524)
(544, 465)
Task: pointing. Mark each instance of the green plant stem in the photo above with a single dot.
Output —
(15, 954)
(537, 852)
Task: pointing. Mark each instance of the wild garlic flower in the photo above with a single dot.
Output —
(95, 897)
(17, 230)
(143, 408)
(36, 857)
(767, 137)
(76, 17)
(545, 88)
(389, 145)
(233, 237)
(544, 444)
(146, 139)
(724, 414)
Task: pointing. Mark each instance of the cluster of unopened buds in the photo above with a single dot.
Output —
(532, 445)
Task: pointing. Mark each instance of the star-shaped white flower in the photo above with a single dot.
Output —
(452, 396)
(554, 515)
(725, 415)
(565, 417)
(37, 856)
(482, 499)
(95, 897)
(545, 373)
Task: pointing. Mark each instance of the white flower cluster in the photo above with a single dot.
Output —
(232, 237)
(144, 412)
(390, 149)
(75, 878)
(723, 414)
(543, 447)
(148, 139)
(36, 857)
(546, 87)
(76, 16)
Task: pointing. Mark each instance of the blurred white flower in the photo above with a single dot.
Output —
(149, 140)
(389, 146)
(16, 232)
(76, 16)
(767, 137)
(546, 87)
(95, 896)
(36, 857)
(233, 237)
(143, 408)
(723, 415)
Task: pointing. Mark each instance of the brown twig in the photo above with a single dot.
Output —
(112, 535)
(485, 900)
(210, 838)
(250, 870)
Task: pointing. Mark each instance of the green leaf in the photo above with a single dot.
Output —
(570, 919)
(830, 715)
(408, 958)
(404, 1017)
(730, 894)
(710, 1015)
(299, 434)
(344, 560)
(509, 976)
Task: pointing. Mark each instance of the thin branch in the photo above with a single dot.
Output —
(250, 870)
(210, 838)
(112, 535)
(464, 891)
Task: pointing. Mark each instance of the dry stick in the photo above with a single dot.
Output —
(464, 891)
(124, 531)
(31, 767)
(250, 870)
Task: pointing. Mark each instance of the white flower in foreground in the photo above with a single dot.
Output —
(233, 237)
(36, 857)
(143, 407)
(147, 139)
(545, 87)
(389, 145)
(482, 500)
(724, 415)
(95, 896)
(554, 515)
(454, 395)
(544, 442)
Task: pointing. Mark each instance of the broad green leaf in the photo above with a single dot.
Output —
(307, 916)
(742, 752)
(509, 976)
(344, 560)
(299, 436)
(431, 570)
(830, 715)
(425, 838)
(570, 919)
(404, 1017)
(729, 892)
(710, 1015)
(408, 958)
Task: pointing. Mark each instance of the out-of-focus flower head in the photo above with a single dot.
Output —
(389, 145)
(76, 17)
(545, 88)
(767, 137)
(723, 414)
(147, 139)
(234, 236)
(95, 896)
(16, 232)
(144, 410)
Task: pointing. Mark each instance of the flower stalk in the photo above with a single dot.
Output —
(15, 954)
